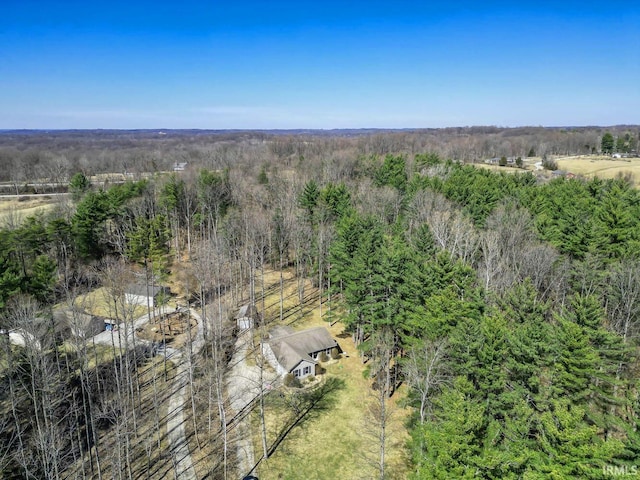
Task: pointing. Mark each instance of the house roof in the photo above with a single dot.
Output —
(243, 311)
(289, 356)
(291, 349)
(142, 290)
(74, 316)
(280, 331)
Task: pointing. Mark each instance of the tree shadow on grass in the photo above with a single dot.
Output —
(308, 405)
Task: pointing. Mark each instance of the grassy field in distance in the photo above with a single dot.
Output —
(588, 166)
(14, 210)
(601, 166)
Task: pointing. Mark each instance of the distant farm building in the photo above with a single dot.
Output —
(298, 353)
(247, 317)
(180, 167)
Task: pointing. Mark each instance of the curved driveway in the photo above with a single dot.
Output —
(178, 445)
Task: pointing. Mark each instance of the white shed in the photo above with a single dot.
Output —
(247, 317)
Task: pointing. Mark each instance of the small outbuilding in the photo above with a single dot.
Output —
(141, 294)
(247, 317)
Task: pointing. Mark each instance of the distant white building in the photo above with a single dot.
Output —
(180, 167)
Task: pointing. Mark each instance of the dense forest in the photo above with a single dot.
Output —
(508, 304)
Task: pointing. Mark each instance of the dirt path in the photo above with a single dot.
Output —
(243, 387)
(183, 464)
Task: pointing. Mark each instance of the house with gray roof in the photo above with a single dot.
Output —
(141, 294)
(298, 352)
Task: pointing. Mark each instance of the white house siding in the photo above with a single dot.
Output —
(244, 323)
(316, 355)
(304, 369)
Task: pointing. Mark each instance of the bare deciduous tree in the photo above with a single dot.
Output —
(426, 370)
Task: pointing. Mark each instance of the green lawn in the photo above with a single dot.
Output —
(335, 439)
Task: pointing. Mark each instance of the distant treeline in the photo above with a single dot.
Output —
(53, 156)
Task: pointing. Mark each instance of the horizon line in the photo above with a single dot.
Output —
(304, 129)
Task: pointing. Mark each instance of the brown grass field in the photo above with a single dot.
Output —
(601, 166)
(587, 166)
(13, 211)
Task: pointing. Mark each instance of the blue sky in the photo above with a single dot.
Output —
(325, 64)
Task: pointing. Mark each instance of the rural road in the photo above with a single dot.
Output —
(12, 196)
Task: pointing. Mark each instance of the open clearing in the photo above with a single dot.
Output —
(331, 441)
(601, 166)
(13, 211)
(588, 166)
(328, 442)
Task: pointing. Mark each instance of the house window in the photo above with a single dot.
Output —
(314, 355)
(296, 373)
(307, 370)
